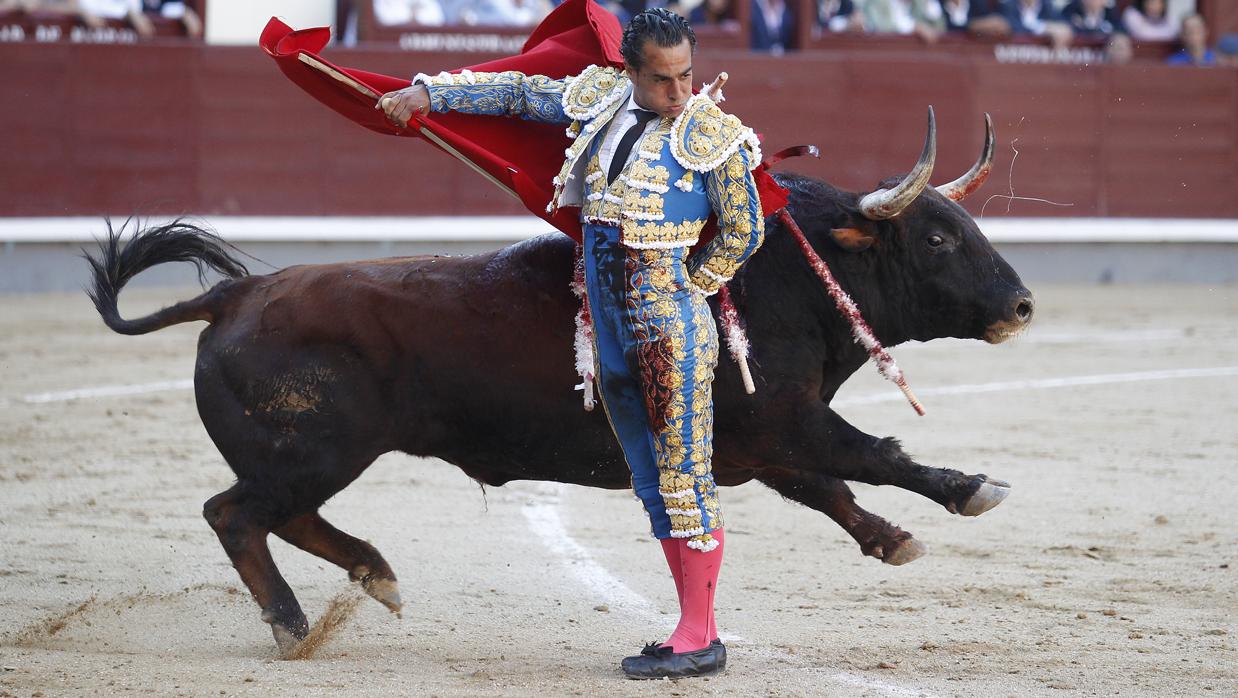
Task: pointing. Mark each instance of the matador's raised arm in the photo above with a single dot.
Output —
(509, 93)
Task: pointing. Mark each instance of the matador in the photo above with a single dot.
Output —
(647, 165)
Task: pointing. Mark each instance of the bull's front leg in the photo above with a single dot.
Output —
(837, 449)
(877, 537)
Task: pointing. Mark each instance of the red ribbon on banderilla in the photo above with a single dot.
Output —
(860, 330)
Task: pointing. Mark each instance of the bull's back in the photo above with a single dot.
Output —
(464, 358)
(386, 308)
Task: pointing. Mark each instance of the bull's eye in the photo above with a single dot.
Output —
(935, 240)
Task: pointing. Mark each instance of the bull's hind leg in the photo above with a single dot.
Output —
(313, 534)
(242, 517)
(877, 537)
(296, 421)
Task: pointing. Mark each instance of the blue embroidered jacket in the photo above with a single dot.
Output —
(685, 167)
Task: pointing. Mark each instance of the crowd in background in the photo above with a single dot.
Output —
(489, 13)
(1058, 21)
(94, 13)
(772, 23)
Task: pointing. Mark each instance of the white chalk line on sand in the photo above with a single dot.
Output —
(1044, 383)
(889, 689)
(107, 391)
(965, 389)
(1124, 336)
(542, 513)
(98, 392)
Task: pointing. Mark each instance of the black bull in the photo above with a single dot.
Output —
(305, 376)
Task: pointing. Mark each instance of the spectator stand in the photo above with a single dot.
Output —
(53, 23)
(1008, 49)
(359, 23)
(363, 24)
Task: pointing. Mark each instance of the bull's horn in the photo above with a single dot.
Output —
(888, 203)
(960, 188)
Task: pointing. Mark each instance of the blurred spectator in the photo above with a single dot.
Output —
(1119, 50)
(626, 9)
(988, 18)
(93, 12)
(62, 7)
(773, 26)
(1092, 18)
(1149, 20)
(18, 5)
(1038, 18)
(924, 18)
(1227, 51)
(425, 12)
(1194, 40)
(175, 9)
(504, 13)
(712, 12)
(956, 14)
(840, 16)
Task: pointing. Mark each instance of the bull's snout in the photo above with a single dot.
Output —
(1017, 315)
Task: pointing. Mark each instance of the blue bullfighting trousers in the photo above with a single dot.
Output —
(656, 347)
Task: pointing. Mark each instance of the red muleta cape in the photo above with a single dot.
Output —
(523, 156)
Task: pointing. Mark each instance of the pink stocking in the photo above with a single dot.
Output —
(696, 582)
(670, 548)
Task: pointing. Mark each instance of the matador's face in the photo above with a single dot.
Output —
(663, 83)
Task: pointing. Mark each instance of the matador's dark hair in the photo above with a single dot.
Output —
(660, 25)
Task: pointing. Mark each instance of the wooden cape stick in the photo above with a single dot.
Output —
(346, 79)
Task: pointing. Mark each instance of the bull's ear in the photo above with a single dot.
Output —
(852, 239)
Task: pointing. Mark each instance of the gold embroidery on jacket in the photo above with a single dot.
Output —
(593, 87)
(642, 172)
(644, 206)
(739, 229)
(704, 134)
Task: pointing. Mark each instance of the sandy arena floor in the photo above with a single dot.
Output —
(1112, 568)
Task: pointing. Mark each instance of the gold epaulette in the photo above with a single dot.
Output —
(704, 136)
(587, 94)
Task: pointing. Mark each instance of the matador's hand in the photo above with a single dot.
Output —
(399, 106)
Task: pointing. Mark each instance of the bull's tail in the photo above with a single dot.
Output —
(175, 242)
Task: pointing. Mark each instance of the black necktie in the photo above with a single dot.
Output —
(625, 144)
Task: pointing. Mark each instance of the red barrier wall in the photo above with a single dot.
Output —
(169, 129)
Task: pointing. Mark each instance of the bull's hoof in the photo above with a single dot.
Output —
(894, 549)
(383, 590)
(903, 552)
(990, 494)
(386, 592)
(285, 641)
(286, 637)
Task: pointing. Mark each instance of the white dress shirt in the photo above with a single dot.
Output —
(624, 120)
